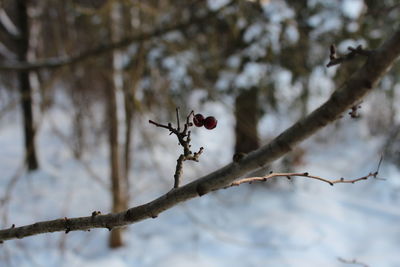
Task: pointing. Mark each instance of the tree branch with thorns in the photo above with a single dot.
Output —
(352, 91)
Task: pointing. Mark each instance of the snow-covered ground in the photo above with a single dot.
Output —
(304, 223)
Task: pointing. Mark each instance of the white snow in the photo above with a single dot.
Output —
(305, 223)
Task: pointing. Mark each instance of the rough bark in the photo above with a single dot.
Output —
(358, 85)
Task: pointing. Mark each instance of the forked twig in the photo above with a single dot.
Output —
(353, 261)
(334, 59)
(184, 140)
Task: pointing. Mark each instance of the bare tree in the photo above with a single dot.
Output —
(379, 61)
(21, 48)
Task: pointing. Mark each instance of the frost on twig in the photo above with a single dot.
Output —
(184, 140)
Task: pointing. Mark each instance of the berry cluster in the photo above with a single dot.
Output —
(209, 122)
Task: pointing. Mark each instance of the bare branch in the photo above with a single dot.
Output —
(7, 26)
(177, 120)
(184, 140)
(353, 261)
(356, 87)
(303, 174)
(335, 60)
(57, 62)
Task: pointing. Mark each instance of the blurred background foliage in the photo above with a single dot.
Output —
(259, 58)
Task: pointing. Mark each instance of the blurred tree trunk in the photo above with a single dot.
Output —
(131, 78)
(22, 46)
(119, 178)
(129, 112)
(118, 197)
(130, 75)
(246, 114)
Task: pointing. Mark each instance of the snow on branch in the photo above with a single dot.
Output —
(356, 87)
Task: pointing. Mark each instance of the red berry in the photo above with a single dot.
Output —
(210, 123)
(198, 120)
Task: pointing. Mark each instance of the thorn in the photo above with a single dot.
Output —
(238, 157)
(12, 226)
(95, 213)
(332, 52)
(67, 229)
(201, 190)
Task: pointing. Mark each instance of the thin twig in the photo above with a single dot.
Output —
(184, 140)
(379, 164)
(335, 60)
(307, 175)
(353, 261)
(298, 174)
(177, 119)
(161, 125)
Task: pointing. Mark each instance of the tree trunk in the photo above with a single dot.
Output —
(119, 179)
(246, 113)
(131, 77)
(22, 46)
(118, 196)
(128, 103)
